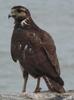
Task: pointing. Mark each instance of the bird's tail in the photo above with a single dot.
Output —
(59, 81)
(54, 86)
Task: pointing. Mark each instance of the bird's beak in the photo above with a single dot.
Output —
(9, 15)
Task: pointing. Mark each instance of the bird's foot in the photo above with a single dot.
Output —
(23, 93)
(37, 90)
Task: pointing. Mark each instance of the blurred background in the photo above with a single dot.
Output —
(54, 16)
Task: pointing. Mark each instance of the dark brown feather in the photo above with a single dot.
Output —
(42, 59)
(35, 50)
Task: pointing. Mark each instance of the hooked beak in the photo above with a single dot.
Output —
(9, 15)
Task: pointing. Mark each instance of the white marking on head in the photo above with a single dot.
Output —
(23, 9)
(24, 22)
(12, 10)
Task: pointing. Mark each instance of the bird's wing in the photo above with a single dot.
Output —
(50, 50)
(15, 48)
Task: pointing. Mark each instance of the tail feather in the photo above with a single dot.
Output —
(54, 86)
(59, 80)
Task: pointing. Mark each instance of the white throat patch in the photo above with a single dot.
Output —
(24, 22)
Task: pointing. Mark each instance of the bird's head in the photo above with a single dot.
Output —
(19, 13)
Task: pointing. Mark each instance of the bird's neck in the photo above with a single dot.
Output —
(34, 26)
(26, 23)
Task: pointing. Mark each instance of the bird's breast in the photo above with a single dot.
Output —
(27, 51)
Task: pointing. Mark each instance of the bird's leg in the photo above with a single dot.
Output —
(25, 75)
(37, 89)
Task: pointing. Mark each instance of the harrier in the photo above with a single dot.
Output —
(35, 50)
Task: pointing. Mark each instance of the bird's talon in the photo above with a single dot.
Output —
(23, 93)
(37, 90)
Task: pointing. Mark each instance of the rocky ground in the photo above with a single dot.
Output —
(39, 96)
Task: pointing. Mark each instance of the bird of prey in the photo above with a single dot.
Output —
(35, 50)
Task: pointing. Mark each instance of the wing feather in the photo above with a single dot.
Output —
(50, 49)
(15, 48)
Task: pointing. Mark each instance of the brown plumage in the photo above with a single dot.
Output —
(35, 50)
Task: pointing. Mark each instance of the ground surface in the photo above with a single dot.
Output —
(39, 96)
